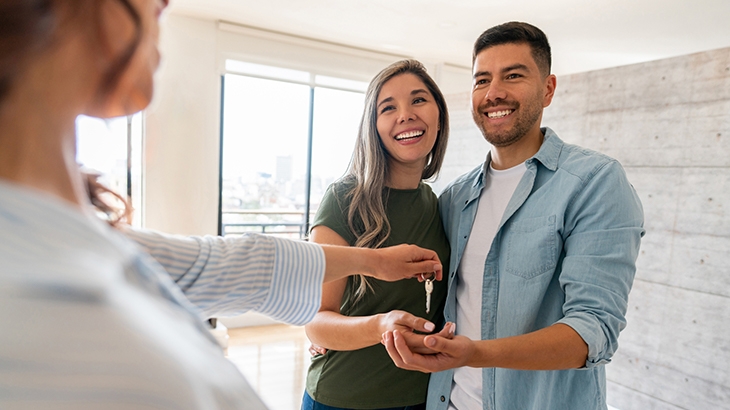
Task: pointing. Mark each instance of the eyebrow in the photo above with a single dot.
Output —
(414, 92)
(513, 67)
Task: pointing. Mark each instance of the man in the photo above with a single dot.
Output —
(544, 239)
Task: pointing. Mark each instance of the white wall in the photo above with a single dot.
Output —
(181, 161)
(668, 122)
(181, 145)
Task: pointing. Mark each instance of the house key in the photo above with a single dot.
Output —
(429, 290)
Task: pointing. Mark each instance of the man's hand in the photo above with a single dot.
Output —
(448, 352)
(415, 341)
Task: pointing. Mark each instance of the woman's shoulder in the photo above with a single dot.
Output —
(342, 186)
(426, 192)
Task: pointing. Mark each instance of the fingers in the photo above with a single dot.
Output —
(416, 323)
(407, 261)
(454, 351)
(426, 262)
(448, 331)
(398, 351)
(415, 343)
(427, 269)
(315, 350)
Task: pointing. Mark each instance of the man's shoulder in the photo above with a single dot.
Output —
(466, 180)
(583, 162)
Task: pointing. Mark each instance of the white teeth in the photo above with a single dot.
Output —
(499, 114)
(410, 134)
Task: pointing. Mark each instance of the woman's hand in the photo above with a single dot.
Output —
(407, 261)
(401, 320)
(416, 343)
(408, 325)
(446, 352)
(389, 264)
(316, 350)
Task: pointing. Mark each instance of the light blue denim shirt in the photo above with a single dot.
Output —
(565, 252)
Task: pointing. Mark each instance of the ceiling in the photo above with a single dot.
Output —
(584, 34)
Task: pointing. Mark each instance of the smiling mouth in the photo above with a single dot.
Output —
(499, 114)
(409, 135)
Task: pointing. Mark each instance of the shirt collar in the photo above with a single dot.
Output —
(549, 151)
(548, 155)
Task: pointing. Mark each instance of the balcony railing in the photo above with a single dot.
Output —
(284, 223)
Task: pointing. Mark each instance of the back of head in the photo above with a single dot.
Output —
(516, 32)
(26, 26)
(31, 27)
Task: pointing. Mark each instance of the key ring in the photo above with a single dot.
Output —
(424, 279)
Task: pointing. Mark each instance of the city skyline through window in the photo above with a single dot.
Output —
(267, 177)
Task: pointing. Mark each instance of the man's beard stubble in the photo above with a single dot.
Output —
(525, 120)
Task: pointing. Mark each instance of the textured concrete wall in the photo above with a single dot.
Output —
(668, 123)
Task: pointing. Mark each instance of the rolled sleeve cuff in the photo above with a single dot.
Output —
(593, 337)
(296, 284)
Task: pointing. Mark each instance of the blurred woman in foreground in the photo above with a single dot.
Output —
(89, 320)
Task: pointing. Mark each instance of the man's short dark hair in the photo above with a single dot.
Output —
(516, 32)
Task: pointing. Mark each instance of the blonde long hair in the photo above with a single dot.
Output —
(369, 167)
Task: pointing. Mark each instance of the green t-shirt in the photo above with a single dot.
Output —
(367, 378)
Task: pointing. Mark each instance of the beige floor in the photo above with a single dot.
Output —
(274, 359)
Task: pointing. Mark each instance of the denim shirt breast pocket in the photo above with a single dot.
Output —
(531, 246)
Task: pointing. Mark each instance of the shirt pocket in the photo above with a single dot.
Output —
(531, 247)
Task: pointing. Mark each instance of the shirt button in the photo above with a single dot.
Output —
(443, 399)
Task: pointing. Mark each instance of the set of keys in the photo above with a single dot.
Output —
(429, 289)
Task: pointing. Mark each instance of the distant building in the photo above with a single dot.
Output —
(284, 168)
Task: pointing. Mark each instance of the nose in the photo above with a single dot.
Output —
(406, 114)
(496, 91)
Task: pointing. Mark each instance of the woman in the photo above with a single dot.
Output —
(89, 320)
(381, 201)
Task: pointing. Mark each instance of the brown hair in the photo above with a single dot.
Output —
(369, 165)
(104, 200)
(25, 28)
(28, 27)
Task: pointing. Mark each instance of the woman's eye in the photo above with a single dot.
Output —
(386, 108)
(418, 100)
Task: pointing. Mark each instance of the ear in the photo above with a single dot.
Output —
(550, 84)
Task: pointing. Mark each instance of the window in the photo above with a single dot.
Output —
(286, 136)
(112, 148)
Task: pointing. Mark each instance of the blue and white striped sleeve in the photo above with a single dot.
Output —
(228, 276)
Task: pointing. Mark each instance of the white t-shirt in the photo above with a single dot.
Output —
(466, 389)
